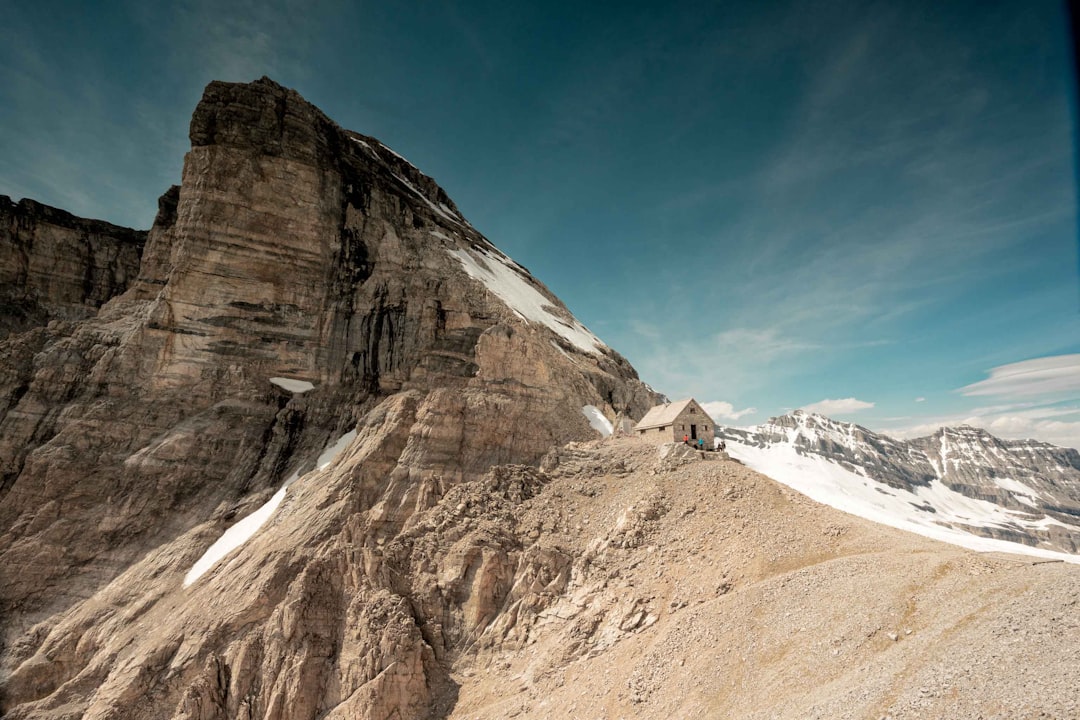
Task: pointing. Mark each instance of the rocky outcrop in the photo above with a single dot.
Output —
(55, 266)
(301, 284)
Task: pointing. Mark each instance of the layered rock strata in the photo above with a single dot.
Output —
(55, 266)
(302, 284)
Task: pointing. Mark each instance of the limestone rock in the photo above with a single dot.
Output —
(55, 266)
(132, 438)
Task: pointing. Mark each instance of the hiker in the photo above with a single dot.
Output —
(685, 439)
(701, 443)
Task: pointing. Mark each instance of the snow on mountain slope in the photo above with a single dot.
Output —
(960, 485)
(597, 420)
(246, 528)
(516, 290)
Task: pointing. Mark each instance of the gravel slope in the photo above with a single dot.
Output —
(701, 589)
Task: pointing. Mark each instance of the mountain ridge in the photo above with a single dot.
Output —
(1036, 485)
(390, 428)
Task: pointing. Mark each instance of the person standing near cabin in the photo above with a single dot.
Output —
(685, 439)
(701, 443)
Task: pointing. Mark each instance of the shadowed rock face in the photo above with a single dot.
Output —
(130, 440)
(55, 266)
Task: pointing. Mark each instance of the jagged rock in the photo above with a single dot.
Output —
(442, 532)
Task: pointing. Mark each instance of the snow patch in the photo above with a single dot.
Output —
(435, 208)
(399, 157)
(524, 299)
(1017, 488)
(244, 530)
(332, 451)
(292, 384)
(597, 420)
(234, 537)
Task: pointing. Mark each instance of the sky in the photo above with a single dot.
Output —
(867, 209)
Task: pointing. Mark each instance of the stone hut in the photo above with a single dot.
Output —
(672, 421)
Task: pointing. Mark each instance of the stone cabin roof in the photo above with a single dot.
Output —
(664, 414)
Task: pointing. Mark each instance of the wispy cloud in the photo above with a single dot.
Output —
(719, 363)
(243, 40)
(842, 406)
(1054, 375)
(722, 410)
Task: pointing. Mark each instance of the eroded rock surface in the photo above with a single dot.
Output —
(130, 440)
(442, 534)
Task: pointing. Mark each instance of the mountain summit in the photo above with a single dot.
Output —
(957, 479)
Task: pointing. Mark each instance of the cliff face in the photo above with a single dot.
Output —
(55, 266)
(296, 251)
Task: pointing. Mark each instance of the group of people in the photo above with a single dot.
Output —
(700, 444)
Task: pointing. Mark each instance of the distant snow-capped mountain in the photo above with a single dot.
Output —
(961, 484)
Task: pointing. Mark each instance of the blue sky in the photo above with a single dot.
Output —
(763, 205)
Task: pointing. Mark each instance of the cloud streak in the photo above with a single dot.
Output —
(720, 409)
(1053, 375)
(842, 406)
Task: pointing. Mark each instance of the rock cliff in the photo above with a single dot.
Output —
(55, 266)
(304, 288)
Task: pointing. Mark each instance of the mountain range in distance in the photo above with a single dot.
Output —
(961, 484)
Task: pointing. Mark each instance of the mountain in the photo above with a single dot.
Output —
(329, 454)
(314, 338)
(954, 485)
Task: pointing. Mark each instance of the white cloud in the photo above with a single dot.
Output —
(920, 399)
(682, 364)
(838, 407)
(1056, 374)
(719, 409)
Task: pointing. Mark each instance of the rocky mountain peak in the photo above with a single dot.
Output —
(303, 289)
(325, 452)
(56, 266)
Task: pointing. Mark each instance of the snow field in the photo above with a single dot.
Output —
(828, 483)
(524, 299)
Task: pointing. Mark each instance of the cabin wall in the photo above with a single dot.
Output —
(704, 428)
